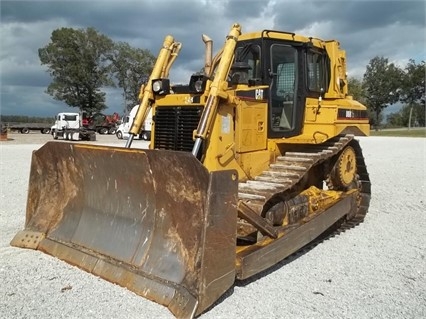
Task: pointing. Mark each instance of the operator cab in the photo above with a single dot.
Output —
(293, 71)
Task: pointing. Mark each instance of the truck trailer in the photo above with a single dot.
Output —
(26, 128)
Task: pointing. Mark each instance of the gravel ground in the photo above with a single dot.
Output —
(376, 270)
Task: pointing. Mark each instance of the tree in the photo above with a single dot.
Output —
(77, 61)
(413, 90)
(395, 119)
(381, 85)
(409, 115)
(355, 89)
(131, 68)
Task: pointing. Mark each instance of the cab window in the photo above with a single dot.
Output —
(317, 76)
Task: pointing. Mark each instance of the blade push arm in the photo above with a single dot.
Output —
(217, 88)
(165, 59)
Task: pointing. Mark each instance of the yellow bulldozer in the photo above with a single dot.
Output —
(252, 160)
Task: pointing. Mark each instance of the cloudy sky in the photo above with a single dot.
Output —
(365, 29)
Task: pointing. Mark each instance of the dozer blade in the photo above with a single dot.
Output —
(156, 222)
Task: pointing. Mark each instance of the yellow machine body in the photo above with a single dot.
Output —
(248, 163)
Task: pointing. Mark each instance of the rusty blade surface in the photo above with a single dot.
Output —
(156, 222)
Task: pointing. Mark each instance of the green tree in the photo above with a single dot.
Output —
(77, 62)
(395, 119)
(381, 86)
(416, 115)
(355, 89)
(409, 115)
(131, 67)
(413, 91)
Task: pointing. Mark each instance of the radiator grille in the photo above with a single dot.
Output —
(174, 126)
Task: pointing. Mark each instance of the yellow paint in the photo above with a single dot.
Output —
(235, 128)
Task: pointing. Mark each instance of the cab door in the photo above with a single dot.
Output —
(287, 96)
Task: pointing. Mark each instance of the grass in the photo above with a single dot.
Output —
(400, 132)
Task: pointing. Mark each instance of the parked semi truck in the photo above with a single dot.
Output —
(69, 127)
(127, 121)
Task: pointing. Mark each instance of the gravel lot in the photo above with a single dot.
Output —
(376, 270)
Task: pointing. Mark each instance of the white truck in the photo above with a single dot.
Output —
(69, 126)
(127, 121)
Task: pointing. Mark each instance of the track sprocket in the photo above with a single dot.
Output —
(344, 171)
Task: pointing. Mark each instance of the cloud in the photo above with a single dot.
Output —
(365, 29)
(28, 100)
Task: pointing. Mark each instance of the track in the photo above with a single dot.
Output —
(290, 171)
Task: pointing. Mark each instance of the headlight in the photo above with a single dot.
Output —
(161, 86)
(157, 86)
(198, 86)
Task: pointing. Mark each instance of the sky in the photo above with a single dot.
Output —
(365, 29)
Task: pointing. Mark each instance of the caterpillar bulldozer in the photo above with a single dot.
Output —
(249, 162)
